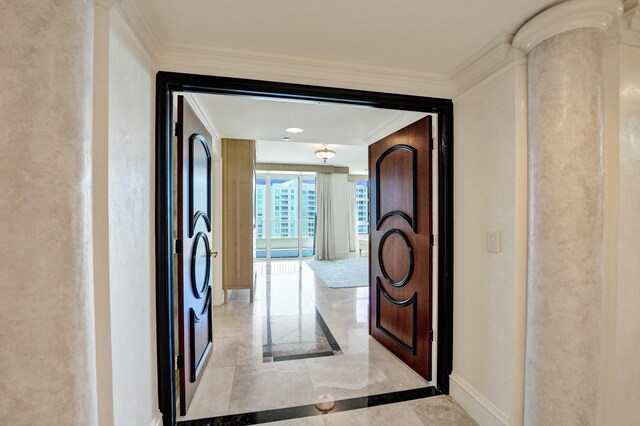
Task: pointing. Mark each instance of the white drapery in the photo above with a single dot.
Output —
(325, 242)
(353, 233)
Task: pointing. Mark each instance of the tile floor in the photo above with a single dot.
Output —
(240, 379)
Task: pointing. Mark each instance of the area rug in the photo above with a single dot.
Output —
(341, 273)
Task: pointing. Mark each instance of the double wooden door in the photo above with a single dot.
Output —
(400, 265)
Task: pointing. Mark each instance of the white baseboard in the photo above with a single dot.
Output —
(478, 407)
(157, 420)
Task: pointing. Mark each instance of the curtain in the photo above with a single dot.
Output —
(353, 234)
(325, 242)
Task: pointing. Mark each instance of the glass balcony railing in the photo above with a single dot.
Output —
(288, 238)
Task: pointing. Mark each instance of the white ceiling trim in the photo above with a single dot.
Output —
(399, 122)
(488, 61)
(230, 62)
(137, 44)
(210, 60)
(625, 31)
(632, 14)
(140, 24)
(567, 16)
(204, 115)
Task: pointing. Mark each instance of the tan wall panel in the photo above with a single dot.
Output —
(238, 157)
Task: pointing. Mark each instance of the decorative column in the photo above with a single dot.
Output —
(47, 368)
(565, 276)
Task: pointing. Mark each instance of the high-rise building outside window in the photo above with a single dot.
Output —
(362, 206)
(285, 214)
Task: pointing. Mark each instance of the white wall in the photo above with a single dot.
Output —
(490, 195)
(627, 391)
(340, 188)
(620, 393)
(131, 228)
(100, 163)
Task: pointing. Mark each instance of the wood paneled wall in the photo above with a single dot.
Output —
(238, 168)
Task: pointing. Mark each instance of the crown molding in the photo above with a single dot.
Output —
(567, 16)
(118, 20)
(210, 60)
(625, 31)
(491, 59)
(140, 24)
(203, 114)
(400, 121)
(632, 14)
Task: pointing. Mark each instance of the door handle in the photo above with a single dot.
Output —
(213, 254)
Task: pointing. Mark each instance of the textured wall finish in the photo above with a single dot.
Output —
(47, 363)
(565, 229)
(131, 224)
(486, 141)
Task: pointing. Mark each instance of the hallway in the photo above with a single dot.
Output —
(303, 343)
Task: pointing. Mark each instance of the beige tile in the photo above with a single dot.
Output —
(236, 350)
(366, 367)
(349, 376)
(212, 397)
(303, 421)
(271, 385)
(383, 415)
(441, 411)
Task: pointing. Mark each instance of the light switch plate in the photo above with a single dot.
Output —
(493, 242)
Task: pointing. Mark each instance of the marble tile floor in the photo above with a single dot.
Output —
(238, 380)
(386, 409)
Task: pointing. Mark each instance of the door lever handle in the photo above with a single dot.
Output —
(213, 254)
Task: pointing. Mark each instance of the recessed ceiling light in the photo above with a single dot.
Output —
(286, 139)
(294, 130)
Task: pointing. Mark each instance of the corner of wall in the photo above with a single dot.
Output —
(611, 99)
(477, 406)
(485, 63)
(491, 181)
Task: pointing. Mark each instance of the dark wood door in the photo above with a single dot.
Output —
(400, 262)
(195, 273)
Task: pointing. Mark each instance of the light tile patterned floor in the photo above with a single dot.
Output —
(237, 380)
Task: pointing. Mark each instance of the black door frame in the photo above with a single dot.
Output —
(167, 83)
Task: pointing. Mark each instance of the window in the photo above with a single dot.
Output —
(285, 214)
(362, 206)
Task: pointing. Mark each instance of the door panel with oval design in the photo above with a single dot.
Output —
(400, 262)
(194, 263)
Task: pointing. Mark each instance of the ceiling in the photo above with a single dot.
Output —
(346, 129)
(397, 39)
(430, 36)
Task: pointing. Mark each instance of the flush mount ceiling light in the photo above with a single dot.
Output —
(294, 130)
(325, 154)
(286, 139)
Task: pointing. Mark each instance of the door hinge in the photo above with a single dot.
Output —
(176, 128)
(179, 362)
(433, 144)
(431, 335)
(177, 248)
(432, 240)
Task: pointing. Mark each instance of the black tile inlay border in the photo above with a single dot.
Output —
(302, 356)
(327, 333)
(267, 348)
(299, 411)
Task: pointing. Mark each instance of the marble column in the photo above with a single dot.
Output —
(565, 274)
(47, 363)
